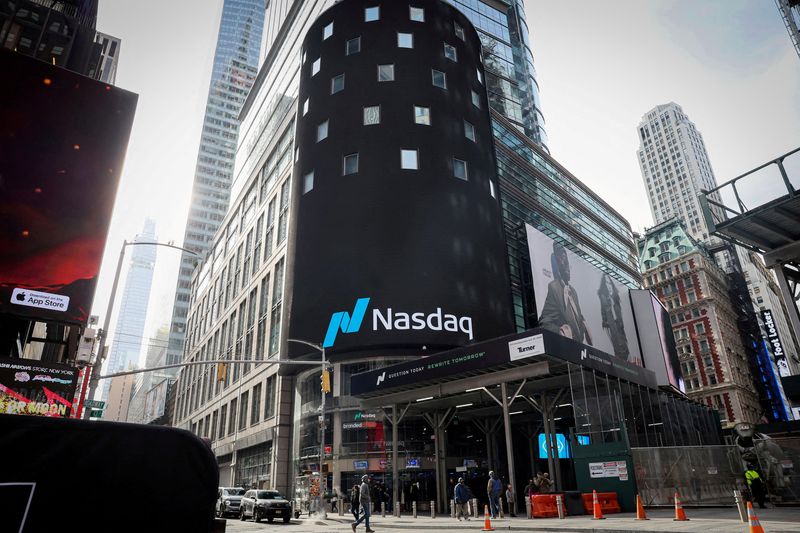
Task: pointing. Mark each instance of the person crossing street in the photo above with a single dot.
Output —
(365, 499)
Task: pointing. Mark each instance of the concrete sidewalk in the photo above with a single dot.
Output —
(718, 520)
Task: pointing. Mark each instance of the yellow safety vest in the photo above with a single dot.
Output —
(751, 475)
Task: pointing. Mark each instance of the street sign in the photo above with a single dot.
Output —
(95, 404)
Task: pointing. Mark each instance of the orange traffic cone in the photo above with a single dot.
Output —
(487, 522)
(752, 520)
(598, 511)
(640, 514)
(680, 515)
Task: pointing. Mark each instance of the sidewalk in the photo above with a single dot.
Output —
(717, 520)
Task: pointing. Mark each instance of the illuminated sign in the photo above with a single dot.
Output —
(774, 340)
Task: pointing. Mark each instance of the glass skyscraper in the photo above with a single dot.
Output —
(235, 67)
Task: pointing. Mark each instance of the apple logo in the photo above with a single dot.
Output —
(21, 297)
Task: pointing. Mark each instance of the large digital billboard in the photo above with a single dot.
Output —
(579, 301)
(62, 143)
(30, 387)
(656, 339)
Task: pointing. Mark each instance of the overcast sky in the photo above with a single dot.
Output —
(601, 66)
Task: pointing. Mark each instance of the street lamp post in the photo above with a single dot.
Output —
(101, 351)
(322, 511)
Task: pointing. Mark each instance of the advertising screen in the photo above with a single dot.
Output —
(656, 339)
(64, 138)
(155, 400)
(30, 387)
(561, 444)
(579, 301)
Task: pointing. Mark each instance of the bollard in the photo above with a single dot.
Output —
(528, 509)
(475, 507)
(433, 509)
(397, 509)
(414, 509)
(340, 507)
(452, 508)
(740, 505)
(383, 509)
(560, 506)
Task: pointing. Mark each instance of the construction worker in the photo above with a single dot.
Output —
(755, 484)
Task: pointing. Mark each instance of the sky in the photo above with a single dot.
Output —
(600, 67)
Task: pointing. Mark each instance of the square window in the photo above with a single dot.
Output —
(353, 46)
(422, 115)
(385, 72)
(439, 78)
(405, 40)
(327, 31)
(315, 66)
(308, 182)
(491, 189)
(476, 99)
(372, 115)
(350, 164)
(460, 169)
(459, 31)
(305, 106)
(417, 14)
(337, 83)
(409, 159)
(371, 14)
(469, 131)
(450, 52)
(322, 131)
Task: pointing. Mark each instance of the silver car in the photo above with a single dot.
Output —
(229, 500)
(267, 504)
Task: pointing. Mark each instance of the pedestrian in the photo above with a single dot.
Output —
(413, 493)
(334, 501)
(756, 486)
(529, 489)
(546, 484)
(493, 490)
(461, 499)
(365, 498)
(510, 500)
(355, 499)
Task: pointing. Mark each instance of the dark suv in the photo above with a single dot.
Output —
(267, 504)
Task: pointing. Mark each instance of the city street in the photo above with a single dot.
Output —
(719, 520)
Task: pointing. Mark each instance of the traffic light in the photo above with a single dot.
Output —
(325, 380)
(222, 371)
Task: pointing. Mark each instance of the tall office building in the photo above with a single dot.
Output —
(790, 13)
(675, 168)
(109, 57)
(340, 104)
(232, 76)
(126, 345)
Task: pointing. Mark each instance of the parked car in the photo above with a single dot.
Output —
(228, 501)
(268, 504)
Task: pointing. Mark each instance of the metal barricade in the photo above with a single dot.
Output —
(779, 463)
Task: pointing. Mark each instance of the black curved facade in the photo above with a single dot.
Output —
(409, 240)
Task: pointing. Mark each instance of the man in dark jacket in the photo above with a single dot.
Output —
(366, 499)
(461, 497)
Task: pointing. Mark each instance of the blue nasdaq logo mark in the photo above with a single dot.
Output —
(345, 322)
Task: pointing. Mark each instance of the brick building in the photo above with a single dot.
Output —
(714, 362)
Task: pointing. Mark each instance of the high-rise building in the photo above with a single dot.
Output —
(126, 345)
(675, 169)
(790, 13)
(109, 57)
(235, 67)
(156, 356)
(385, 111)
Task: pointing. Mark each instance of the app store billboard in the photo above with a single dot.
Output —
(579, 301)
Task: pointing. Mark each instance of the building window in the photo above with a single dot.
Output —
(322, 131)
(350, 164)
(405, 40)
(255, 409)
(232, 420)
(371, 14)
(479, 75)
(476, 99)
(337, 83)
(439, 78)
(385, 72)
(223, 415)
(409, 159)
(417, 14)
(469, 131)
(315, 66)
(460, 169)
(450, 52)
(305, 106)
(308, 182)
(269, 399)
(491, 189)
(459, 31)
(353, 46)
(704, 346)
(372, 115)
(422, 115)
(327, 31)
(700, 328)
(243, 410)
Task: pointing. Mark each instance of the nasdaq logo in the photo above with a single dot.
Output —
(347, 323)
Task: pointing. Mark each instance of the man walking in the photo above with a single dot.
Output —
(461, 497)
(510, 500)
(493, 489)
(365, 499)
(756, 486)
